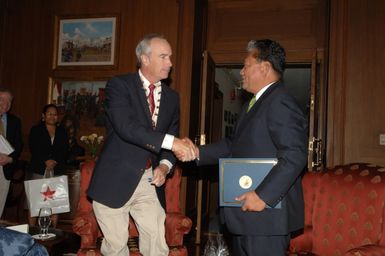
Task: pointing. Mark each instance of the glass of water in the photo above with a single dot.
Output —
(44, 221)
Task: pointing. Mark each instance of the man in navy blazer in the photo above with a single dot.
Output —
(142, 125)
(11, 130)
(271, 125)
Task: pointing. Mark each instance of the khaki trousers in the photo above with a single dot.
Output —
(149, 217)
(4, 187)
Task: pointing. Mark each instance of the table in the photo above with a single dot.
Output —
(64, 242)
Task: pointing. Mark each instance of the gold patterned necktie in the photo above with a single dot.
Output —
(151, 102)
(251, 103)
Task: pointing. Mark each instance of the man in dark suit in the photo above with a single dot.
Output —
(10, 128)
(271, 125)
(142, 125)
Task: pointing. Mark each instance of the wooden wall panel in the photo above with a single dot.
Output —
(336, 83)
(25, 57)
(363, 86)
(299, 25)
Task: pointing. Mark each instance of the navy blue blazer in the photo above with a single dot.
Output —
(14, 137)
(131, 140)
(275, 127)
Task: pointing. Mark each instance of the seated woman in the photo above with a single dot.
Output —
(48, 144)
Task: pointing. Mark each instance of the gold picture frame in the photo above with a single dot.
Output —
(86, 42)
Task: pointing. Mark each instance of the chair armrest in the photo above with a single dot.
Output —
(132, 229)
(302, 243)
(85, 223)
(177, 225)
(367, 250)
(87, 228)
(301, 254)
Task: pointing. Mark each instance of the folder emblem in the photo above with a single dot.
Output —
(245, 182)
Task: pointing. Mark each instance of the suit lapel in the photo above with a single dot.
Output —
(8, 128)
(243, 120)
(142, 98)
(263, 97)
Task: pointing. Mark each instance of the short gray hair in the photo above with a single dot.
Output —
(143, 47)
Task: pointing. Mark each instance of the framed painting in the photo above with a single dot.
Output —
(85, 41)
(82, 102)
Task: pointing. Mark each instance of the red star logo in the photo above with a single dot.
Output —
(48, 194)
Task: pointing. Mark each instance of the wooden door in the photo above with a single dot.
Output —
(205, 135)
(317, 114)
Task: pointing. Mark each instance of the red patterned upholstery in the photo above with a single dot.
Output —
(86, 226)
(344, 212)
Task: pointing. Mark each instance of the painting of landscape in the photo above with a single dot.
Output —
(86, 41)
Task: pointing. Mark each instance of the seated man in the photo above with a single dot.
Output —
(17, 243)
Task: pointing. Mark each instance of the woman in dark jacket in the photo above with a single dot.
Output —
(48, 144)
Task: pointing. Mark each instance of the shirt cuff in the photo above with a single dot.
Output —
(168, 141)
(168, 163)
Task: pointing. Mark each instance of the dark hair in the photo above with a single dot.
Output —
(46, 107)
(269, 50)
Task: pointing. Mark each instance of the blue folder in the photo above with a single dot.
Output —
(239, 175)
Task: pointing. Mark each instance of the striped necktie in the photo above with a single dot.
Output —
(151, 102)
(150, 97)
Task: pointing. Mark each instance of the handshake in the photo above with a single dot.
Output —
(185, 150)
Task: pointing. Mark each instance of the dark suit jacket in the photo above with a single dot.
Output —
(275, 127)
(130, 140)
(14, 137)
(42, 149)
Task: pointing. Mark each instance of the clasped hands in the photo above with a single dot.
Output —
(185, 150)
(50, 164)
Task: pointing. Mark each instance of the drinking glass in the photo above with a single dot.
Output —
(44, 221)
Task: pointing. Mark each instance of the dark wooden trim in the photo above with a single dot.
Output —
(337, 83)
(183, 76)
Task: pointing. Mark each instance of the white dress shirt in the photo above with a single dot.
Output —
(168, 138)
